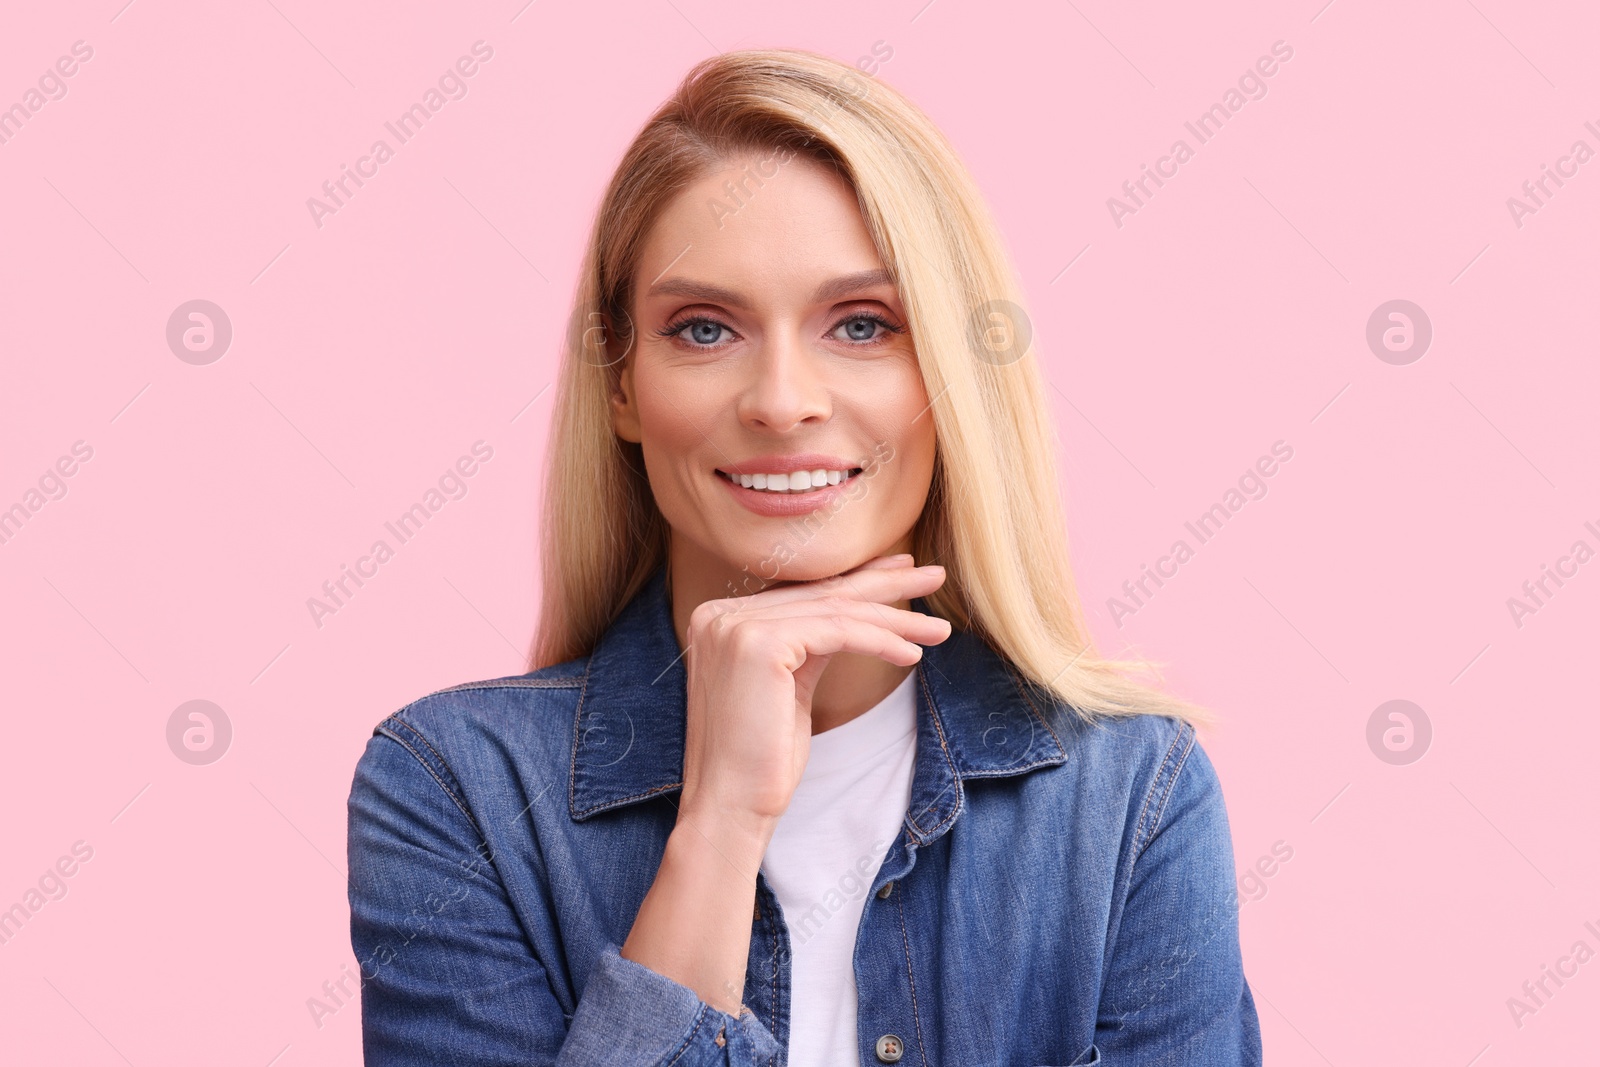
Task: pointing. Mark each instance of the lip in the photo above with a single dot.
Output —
(783, 505)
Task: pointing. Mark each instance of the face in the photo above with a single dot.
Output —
(770, 345)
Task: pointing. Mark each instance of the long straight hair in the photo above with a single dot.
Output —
(993, 517)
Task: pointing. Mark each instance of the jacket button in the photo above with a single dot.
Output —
(890, 1049)
(883, 893)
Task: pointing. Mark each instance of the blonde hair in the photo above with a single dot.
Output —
(993, 517)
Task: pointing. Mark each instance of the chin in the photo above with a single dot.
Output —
(780, 563)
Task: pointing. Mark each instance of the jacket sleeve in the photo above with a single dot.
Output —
(447, 973)
(1175, 991)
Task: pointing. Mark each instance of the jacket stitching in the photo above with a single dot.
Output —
(572, 774)
(577, 731)
(1143, 832)
(632, 797)
(1006, 772)
(440, 757)
(955, 775)
(514, 683)
(421, 759)
(1172, 780)
(1144, 806)
(683, 1049)
(1113, 927)
(772, 931)
(1023, 692)
(916, 1016)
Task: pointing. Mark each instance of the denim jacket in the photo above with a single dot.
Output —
(1060, 894)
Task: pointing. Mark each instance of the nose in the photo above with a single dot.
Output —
(787, 387)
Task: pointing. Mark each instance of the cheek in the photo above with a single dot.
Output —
(670, 413)
(917, 470)
(675, 449)
(903, 438)
(914, 441)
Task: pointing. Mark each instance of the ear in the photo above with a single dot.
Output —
(625, 408)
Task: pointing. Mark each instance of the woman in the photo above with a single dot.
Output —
(775, 793)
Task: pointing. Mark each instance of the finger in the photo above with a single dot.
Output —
(912, 625)
(826, 635)
(884, 585)
(881, 584)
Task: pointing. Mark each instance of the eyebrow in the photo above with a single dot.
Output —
(716, 294)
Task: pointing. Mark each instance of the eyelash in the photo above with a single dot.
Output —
(672, 329)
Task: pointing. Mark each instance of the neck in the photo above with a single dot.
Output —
(850, 685)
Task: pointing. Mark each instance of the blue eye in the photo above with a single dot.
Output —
(703, 332)
(862, 327)
(699, 331)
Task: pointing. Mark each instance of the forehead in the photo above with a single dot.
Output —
(753, 222)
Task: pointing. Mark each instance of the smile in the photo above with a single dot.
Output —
(794, 483)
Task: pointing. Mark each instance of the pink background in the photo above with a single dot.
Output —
(1227, 313)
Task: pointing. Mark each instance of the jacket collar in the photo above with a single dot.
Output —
(976, 718)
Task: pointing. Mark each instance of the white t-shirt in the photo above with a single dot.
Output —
(847, 810)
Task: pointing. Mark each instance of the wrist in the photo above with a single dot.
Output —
(739, 837)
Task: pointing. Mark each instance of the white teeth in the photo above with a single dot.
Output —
(795, 482)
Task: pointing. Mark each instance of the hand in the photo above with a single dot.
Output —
(753, 663)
